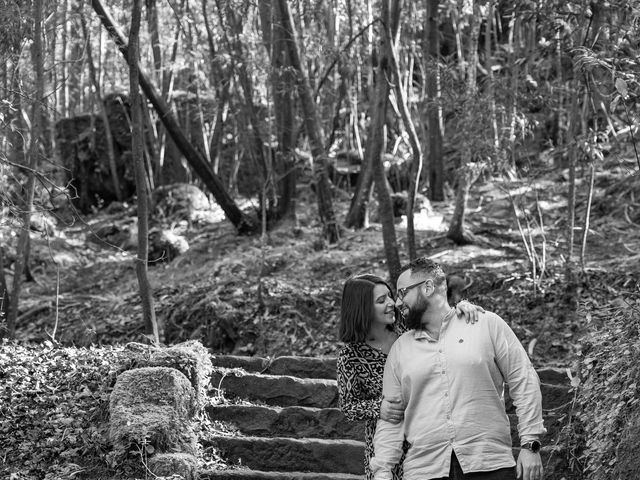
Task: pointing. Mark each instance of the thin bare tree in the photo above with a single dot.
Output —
(137, 138)
(389, 13)
(34, 151)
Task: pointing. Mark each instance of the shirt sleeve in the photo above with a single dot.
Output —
(522, 379)
(353, 399)
(389, 437)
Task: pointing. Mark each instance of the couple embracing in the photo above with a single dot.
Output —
(431, 387)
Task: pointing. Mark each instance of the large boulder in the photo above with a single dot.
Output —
(82, 148)
(181, 201)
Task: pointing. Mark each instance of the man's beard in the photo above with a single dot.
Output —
(413, 316)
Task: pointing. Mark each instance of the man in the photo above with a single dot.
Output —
(450, 376)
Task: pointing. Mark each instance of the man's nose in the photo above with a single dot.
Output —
(399, 302)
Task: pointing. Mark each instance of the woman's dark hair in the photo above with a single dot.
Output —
(356, 311)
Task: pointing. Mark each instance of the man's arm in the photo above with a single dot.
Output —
(524, 389)
(387, 443)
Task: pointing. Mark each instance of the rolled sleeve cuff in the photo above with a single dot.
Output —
(531, 432)
(528, 438)
(379, 472)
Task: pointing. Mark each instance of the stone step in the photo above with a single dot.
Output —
(325, 367)
(278, 454)
(251, 454)
(301, 367)
(278, 390)
(285, 391)
(328, 423)
(295, 422)
(248, 474)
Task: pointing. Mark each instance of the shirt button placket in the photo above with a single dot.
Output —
(447, 402)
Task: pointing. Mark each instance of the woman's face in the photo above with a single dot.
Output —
(383, 305)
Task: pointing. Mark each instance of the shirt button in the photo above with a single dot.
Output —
(446, 394)
(440, 350)
(443, 372)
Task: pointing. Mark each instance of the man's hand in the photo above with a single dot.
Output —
(469, 311)
(392, 410)
(529, 465)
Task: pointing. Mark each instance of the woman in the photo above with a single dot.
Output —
(368, 327)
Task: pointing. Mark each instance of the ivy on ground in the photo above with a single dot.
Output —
(610, 376)
(54, 409)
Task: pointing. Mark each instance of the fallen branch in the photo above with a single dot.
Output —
(33, 311)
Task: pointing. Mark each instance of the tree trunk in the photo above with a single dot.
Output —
(34, 151)
(313, 129)
(571, 194)
(357, 214)
(74, 66)
(156, 48)
(488, 34)
(246, 84)
(64, 87)
(222, 81)
(467, 173)
(457, 231)
(103, 112)
(171, 168)
(137, 139)
(416, 164)
(377, 135)
(434, 110)
(514, 27)
(243, 223)
(283, 85)
(5, 298)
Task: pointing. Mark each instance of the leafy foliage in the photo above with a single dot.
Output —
(16, 21)
(53, 407)
(610, 377)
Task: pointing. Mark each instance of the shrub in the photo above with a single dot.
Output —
(54, 407)
(609, 373)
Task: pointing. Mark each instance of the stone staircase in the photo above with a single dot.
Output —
(287, 425)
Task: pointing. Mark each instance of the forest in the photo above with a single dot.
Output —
(214, 170)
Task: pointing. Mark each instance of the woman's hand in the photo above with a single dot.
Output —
(469, 311)
(392, 410)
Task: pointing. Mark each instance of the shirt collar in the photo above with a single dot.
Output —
(421, 333)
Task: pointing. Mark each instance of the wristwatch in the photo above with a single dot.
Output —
(533, 445)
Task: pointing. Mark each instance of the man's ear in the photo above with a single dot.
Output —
(429, 287)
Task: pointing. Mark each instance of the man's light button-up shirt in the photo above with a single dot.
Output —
(472, 362)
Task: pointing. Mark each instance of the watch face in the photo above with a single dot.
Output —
(534, 446)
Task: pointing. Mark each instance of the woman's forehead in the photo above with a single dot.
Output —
(380, 289)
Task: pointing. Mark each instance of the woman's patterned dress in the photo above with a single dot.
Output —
(360, 368)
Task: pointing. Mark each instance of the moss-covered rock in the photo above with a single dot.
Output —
(190, 357)
(168, 464)
(152, 406)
